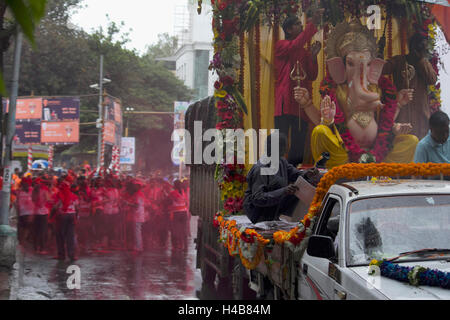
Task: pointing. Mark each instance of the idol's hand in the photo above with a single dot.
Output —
(327, 110)
(405, 96)
(301, 95)
(401, 128)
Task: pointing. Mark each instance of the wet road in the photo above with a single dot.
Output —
(156, 274)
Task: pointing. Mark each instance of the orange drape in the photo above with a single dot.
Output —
(442, 15)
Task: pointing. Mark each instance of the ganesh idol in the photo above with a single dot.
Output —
(358, 107)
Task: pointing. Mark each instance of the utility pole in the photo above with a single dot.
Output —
(10, 131)
(8, 239)
(100, 111)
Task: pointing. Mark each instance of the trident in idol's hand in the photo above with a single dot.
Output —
(296, 76)
(408, 74)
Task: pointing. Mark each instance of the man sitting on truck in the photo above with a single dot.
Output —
(435, 147)
(269, 196)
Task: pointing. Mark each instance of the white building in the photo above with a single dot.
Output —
(195, 36)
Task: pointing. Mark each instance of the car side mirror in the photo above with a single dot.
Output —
(321, 247)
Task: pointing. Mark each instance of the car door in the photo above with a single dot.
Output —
(316, 275)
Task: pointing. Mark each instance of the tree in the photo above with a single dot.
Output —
(166, 46)
(64, 61)
(26, 14)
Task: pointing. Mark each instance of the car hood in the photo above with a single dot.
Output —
(396, 290)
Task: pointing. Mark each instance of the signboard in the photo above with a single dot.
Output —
(29, 108)
(28, 132)
(63, 132)
(180, 108)
(61, 109)
(110, 132)
(113, 121)
(39, 151)
(127, 150)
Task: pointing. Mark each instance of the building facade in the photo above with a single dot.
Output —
(195, 36)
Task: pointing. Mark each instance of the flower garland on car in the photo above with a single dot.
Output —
(416, 276)
(248, 243)
(294, 238)
(383, 141)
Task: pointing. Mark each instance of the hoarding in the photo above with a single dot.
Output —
(62, 132)
(110, 132)
(28, 132)
(61, 109)
(29, 108)
(127, 150)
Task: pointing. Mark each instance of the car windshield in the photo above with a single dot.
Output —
(385, 227)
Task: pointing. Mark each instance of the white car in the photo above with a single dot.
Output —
(361, 221)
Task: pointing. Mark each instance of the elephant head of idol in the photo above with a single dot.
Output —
(351, 59)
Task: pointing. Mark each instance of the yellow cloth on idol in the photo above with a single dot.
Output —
(323, 139)
(403, 150)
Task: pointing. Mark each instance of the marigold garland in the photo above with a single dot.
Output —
(248, 243)
(355, 171)
(294, 237)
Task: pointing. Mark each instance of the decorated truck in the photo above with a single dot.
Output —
(313, 253)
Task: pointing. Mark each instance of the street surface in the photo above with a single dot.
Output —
(156, 274)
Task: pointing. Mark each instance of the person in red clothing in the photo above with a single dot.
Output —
(135, 210)
(178, 217)
(98, 209)
(111, 217)
(25, 210)
(66, 202)
(42, 200)
(186, 194)
(287, 53)
(84, 227)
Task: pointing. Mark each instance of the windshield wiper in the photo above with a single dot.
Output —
(408, 253)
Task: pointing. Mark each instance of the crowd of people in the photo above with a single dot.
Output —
(76, 213)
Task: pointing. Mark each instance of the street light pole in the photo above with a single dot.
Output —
(128, 110)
